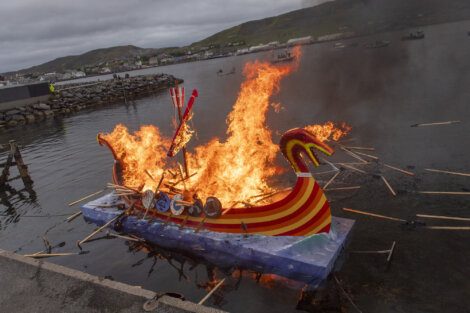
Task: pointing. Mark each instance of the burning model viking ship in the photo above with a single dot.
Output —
(303, 211)
(218, 205)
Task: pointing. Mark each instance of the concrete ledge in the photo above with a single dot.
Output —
(29, 285)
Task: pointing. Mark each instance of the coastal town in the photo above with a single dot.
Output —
(180, 55)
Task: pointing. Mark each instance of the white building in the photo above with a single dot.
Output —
(153, 61)
(78, 74)
(259, 48)
(300, 41)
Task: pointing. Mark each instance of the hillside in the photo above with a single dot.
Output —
(90, 58)
(358, 16)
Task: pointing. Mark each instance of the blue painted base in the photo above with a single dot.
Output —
(307, 259)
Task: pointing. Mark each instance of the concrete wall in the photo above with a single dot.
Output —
(21, 95)
(28, 285)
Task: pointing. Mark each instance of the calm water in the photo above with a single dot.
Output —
(379, 92)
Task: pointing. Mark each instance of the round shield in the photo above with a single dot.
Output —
(177, 209)
(148, 198)
(196, 209)
(163, 202)
(213, 207)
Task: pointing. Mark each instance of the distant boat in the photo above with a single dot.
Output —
(339, 45)
(283, 57)
(377, 44)
(414, 36)
(221, 72)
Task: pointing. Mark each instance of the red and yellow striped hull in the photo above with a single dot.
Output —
(304, 211)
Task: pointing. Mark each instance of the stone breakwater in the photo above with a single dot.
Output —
(71, 98)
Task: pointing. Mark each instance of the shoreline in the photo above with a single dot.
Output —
(79, 96)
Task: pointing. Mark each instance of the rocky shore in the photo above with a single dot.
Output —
(75, 97)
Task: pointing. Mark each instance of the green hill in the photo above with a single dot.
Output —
(358, 16)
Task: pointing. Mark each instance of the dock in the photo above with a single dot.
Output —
(30, 285)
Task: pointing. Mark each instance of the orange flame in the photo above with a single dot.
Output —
(236, 169)
(329, 131)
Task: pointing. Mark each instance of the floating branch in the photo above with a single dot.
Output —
(444, 217)
(86, 197)
(375, 215)
(435, 123)
(388, 185)
(399, 169)
(447, 172)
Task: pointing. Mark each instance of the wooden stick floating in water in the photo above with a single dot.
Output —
(352, 168)
(399, 169)
(47, 255)
(444, 217)
(447, 172)
(375, 215)
(388, 185)
(456, 193)
(331, 180)
(367, 155)
(211, 292)
(392, 249)
(354, 155)
(435, 123)
(86, 197)
(448, 227)
(79, 243)
(361, 148)
(74, 216)
(124, 237)
(343, 188)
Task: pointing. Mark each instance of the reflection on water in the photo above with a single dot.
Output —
(380, 92)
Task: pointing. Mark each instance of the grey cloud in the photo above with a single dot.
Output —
(34, 31)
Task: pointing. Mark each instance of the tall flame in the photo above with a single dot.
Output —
(233, 170)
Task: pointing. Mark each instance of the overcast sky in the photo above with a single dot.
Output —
(35, 31)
